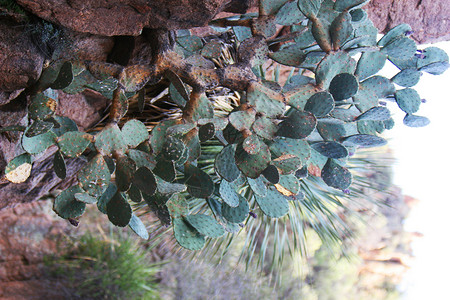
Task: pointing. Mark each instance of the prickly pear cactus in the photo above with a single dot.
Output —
(266, 143)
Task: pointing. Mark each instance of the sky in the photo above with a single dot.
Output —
(422, 170)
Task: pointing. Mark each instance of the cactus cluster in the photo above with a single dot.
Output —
(275, 137)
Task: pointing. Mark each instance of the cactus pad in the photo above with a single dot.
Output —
(236, 214)
(205, 225)
(107, 195)
(73, 143)
(94, 176)
(125, 168)
(341, 29)
(346, 5)
(85, 198)
(274, 204)
(415, 121)
(298, 125)
(177, 206)
(400, 48)
(145, 181)
(265, 128)
(407, 77)
(43, 105)
(252, 165)
(134, 132)
(365, 140)
(206, 132)
(59, 165)
(19, 168)
(173, 149)
(157, 204)
(110, 140)
(258, 186)
(165, 170)
(289, 56)
(39, 127)
(138, 227)
(288, 185)
(252, 144)
(369, 64)
(287, 164)
(118, 210)
(186, 235)
(180, 129)
(336, 176)
(134, 193)
(408, 100)
(265, 100)
(66, 206)
(330, 149)
(199, 184)
(377, 113)
(284, 146)
(38, 143)
(142, 159)
(320, 104)
(242, 120)
(289, 14)
(228, 193)
(396, 32)
(64, 125)
(343, 86)
(64, 78)
(332, 65)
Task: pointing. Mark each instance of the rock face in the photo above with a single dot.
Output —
(20, 61)
(126, 17)
(29, 233)
(430, 19)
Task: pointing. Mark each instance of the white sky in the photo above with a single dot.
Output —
(423, 172)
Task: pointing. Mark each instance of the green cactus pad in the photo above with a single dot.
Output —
(204, 109)
(336, 176)
(297, 97)
(213, 49)
(232, 135)
(177, 98)
(242, 120)
(343, 86)
(289, 14)
(274, 204)
(289, 56)
(13, 128)
(370, 90)
(138, 227)
(74, 143)
(219, 123)
(205, 225)
(145, 181)
(94, 177)
(265, 100)
(167, 188)
(285, 146)
(345, 114)
(408, 100)
(142, 159)
(365, 140)
(187, 236)
(258, 186)
(225, 164)
(228, 193)
(19, 168)
(64, 125)
(236, 214)
(389, 123)
(432, 55)
(331, 129)
(39, 127)
(272, 174)
(38, 143)
(110, 163)
(119, 210)
(165, 170)
(43, 105)
(287, 164)
(270, 7)
(341, 29)
(302, 173)
(180, 129)
(66, 206)
(415, 121)
(265, 128)
(64, 78)
(332, 65)
(158, 136)
(191, 43)
(370, 127)
(157, 204)
(369, 64)
(59, 165)
(125, 168)
(288, 185)
(252, 165)
(320, 104)
(242, 32)
(400, 48)
(173, 149)
(346, 5)
(393, 34)
(134, 132)
(298, 125)
(110, 140)
(407, 77)
(252, 144)
(310, 8)
(177, 206)
(85, 198)
(378, 113)
(199, 184)
(107, 195)
(330, 149)
(193, 149)
(134, 193)
(206, 132)
(436, 68)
